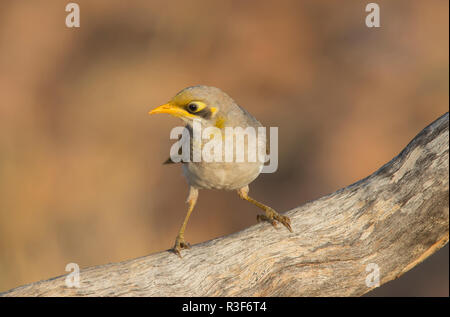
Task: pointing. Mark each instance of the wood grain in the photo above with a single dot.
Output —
(394, 218)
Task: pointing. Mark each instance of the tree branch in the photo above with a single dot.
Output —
(394, 218)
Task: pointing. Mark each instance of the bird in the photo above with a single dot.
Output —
(211, 107)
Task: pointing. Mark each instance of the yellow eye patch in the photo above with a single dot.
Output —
(195, 106)
(189, 109)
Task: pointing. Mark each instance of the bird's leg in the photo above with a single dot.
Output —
(179, 241)
(271, 215)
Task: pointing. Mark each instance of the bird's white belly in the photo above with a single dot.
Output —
(228, 176)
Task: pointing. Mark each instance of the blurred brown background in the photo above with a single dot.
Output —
(81, 178)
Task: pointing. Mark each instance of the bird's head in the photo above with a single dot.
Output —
(207, 104)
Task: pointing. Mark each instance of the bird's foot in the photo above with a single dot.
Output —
(179, 245)
(273, 218)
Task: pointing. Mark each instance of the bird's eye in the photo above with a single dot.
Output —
(192, 107)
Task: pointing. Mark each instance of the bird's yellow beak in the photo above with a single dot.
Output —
(172, 110)
(166, 108)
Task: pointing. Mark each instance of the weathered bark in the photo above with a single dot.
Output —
(395, 218)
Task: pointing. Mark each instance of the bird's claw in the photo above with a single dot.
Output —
(179, 245)
(273, 218)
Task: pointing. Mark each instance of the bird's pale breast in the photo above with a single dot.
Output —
(227, 176)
